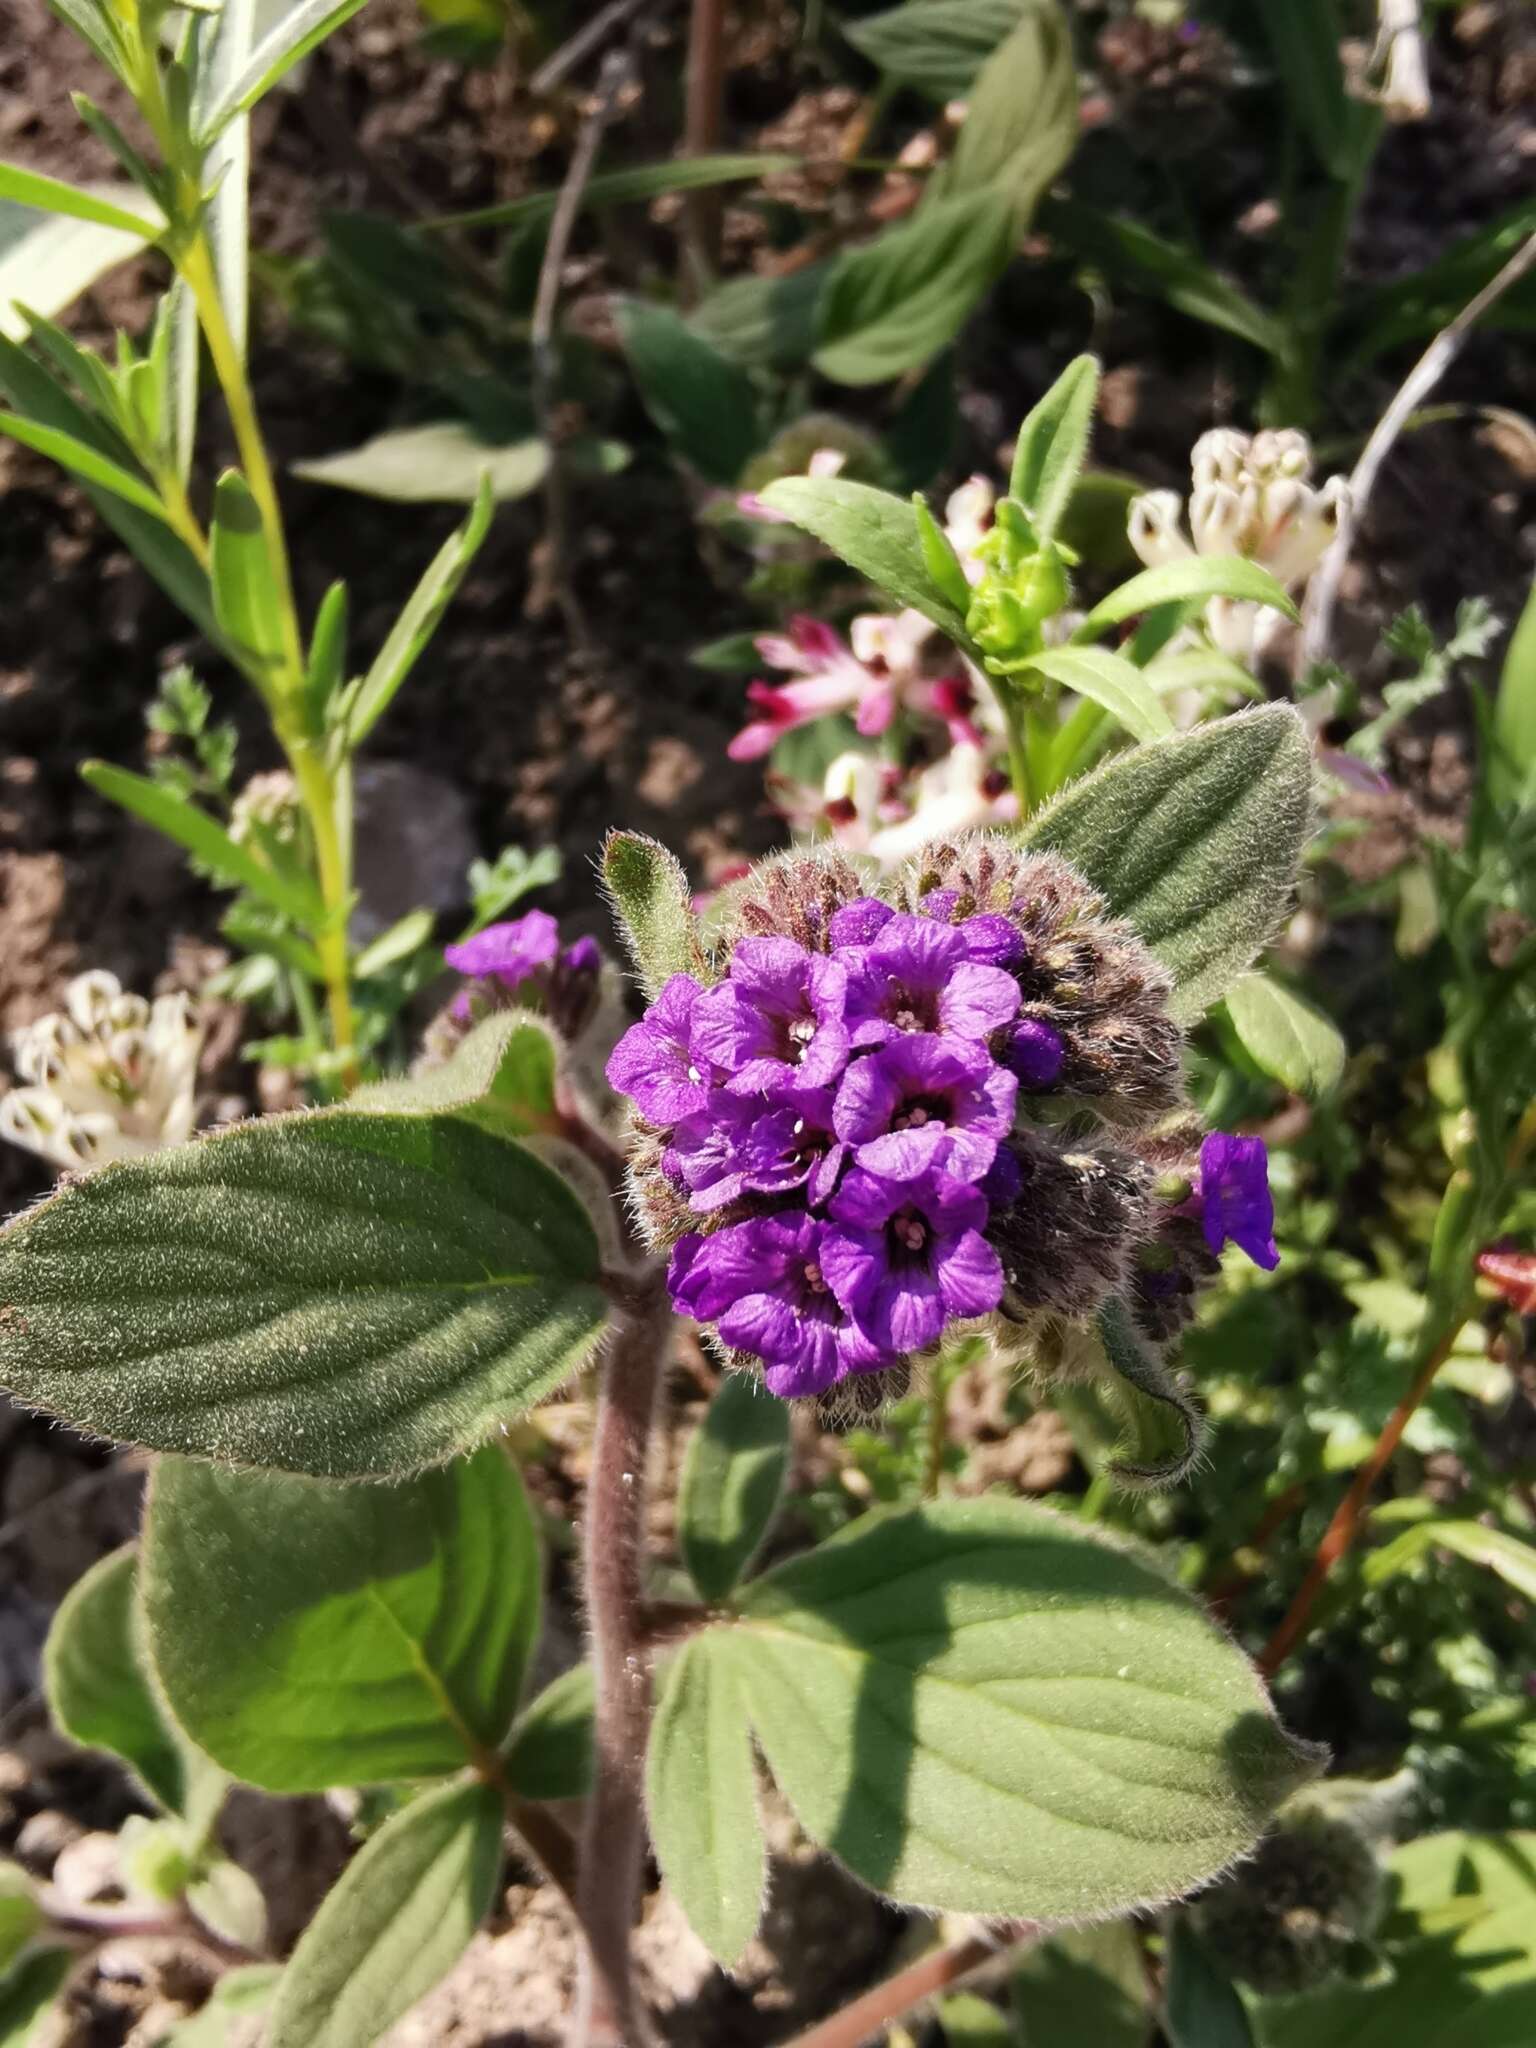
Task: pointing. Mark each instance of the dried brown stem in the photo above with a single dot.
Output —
(703, 126)
(936, 1971)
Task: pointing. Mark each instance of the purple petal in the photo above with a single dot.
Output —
(940, 904)
(858, 922)
(978, 1000)
(970, 1274)
(908, 1312)
(1036, 1053)
(1236, 1206)
(991, 938)
(903, 1155)
(511, 951)
(865, 1201)
(854, 1264)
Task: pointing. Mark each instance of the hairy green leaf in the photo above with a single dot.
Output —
(733, 1476)
(651, 899)
(343, 1294)
(1111, 682)
(395, 1924)
(505, 1069)
(1289, 1037)
(701, 400)
(95, 1672)
(984, 1707)
(1196, 839)
(875, 533)
(701, 1799)
(309, 1635)
(1163, 1430)
(892, 303)
(1053, 445)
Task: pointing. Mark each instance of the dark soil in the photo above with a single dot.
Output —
(526, 738)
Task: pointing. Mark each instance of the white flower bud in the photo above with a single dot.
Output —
(827, 462)
(967, 516)
(1219, 456)
(90, 997)
(1152, 526)
(1218, 518)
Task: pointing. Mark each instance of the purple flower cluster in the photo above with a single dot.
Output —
(523, 961)
(850, 1105)
(841, 1144)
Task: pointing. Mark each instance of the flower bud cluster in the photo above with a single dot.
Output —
(1252, 496)
(890, 1114)
(1290, 1917)
(111, 1076)
(520, 964)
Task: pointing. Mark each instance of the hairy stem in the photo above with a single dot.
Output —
(608, 1890)
(936, 1971)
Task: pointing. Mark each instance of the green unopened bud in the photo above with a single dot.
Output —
(1175, 1189)
(1290, 1917)
(21, 1917)
(155, 1859)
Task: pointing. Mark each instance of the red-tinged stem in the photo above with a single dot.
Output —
(1340, 1535)
(866, 2018)
(608, 1889)
(702, 128)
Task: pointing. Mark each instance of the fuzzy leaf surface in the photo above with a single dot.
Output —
(650, 896)
(550, 1753)
(1289, 1037)
(982, 1707)
(505, 1070)
(701, 1799)
(875, 533)
(1201, 2006)
(338, 1293)
(1196, 840)
(396, 1922)
(1110, 681)
(733, 1476)
(96, 1675)
(935, 46)
(1053, 444)
(310, 1635)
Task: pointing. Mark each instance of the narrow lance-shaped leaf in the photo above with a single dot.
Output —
(613, 188)
(50, 195)
(1514, 717)
(1196, 839)
(876, 534)
(309, 1635)
(650, 896)
(1111, 682)
(939, 557)
(226, 167)
(83, 461)
(246, 594)
(1194, 576)
(701, 1799)
(204, 838)
(396, 1922)
(703, 402)
(343, 1294)
(443, 463)
(984, 1707)
(47, 260)
(419, 620)
(1053, 445)
(293, 37)
(733, 1476)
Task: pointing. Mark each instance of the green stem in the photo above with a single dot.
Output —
(1018, 745)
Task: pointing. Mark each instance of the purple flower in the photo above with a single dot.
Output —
(918, 976)
(741, 1143)
(856, 923)
(924, 1102)
(906, 1258)
(778, 1019)
(582, 956)
(655, 1063)
(992, 938)
(1235, 1203)
(508, 953)
(1036, 1052)
(761, 1283)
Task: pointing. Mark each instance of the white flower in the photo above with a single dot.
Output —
(960, 793)
(1251, 496)
(270, 801)
(109, 1077)
(967, 519)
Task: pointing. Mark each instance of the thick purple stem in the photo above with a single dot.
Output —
(613, 1848)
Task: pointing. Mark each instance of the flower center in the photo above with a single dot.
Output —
(909, 1230)
(813, 1277)
(912, 1116)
